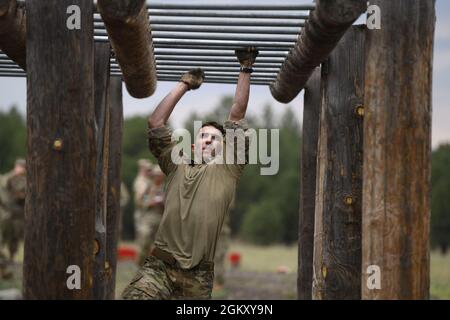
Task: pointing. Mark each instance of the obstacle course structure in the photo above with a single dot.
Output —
(365, 189)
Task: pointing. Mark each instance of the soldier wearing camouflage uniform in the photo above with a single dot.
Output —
(141, 185)
(12, 202)
(124, 200)
(198, 196)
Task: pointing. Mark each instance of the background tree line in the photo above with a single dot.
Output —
(266, 208)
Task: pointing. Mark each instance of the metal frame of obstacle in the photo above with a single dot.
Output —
(205, 35)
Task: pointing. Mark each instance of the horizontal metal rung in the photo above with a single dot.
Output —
(230, 78)
(229, 29)
(219, 29)
(181, 58)
(223, 5)
(195, 45)
(195, 64)
(300, 14)
(216, 68)
(222, 81)
(213, 52)
(213, 73)
(213, 44)
(222, 22)
(213, 37)
(226, 5)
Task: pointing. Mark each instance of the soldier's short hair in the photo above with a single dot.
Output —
(214, 124)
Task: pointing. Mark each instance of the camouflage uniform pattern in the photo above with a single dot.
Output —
(4, 216)
(124, 200)
(141, 186)
(158, 280)
(147, 219)
(12, 201)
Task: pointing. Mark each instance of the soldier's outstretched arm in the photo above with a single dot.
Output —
(246, 59)
(189, 81)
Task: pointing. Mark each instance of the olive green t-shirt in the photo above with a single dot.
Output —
(198, 197)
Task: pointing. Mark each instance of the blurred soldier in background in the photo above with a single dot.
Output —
(150, 213)
(12, 205)
(124, 200)
(141, 184)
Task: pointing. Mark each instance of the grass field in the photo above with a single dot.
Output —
(257, 276)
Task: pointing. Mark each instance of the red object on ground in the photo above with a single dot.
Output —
(127, 253)
(235, 259)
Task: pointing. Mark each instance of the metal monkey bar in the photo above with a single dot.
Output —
(204, 35)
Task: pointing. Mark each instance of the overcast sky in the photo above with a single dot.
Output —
(13, 90)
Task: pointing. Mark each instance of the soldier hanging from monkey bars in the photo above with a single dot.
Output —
(198, 195)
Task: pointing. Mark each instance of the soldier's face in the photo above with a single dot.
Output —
(19, 170)
(208, 143)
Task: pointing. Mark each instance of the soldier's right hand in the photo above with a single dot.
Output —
(193, 78)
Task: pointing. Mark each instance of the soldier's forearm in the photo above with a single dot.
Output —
(162, 112)
(241, 97)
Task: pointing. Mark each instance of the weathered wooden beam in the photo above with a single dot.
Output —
(337, 236)
(128, 28)
(60, 204)
(310, 136)
(13, 31)
(102, 115)
(325, 27)
(397, 142)
(113, 216)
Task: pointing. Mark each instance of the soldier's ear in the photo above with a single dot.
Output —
(192, 147)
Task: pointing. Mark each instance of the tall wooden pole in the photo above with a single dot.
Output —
(311, 115)
(60, 204)
(13, 31)
(113, 216)
(102, 115)
(397, 142)
(109, 120)
(337, 236)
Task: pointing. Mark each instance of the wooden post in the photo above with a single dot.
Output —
(102, 113)
(109, 115)
(13, 31)
(60, 204)
(113, 216)
(323, 30)
(311, 111)
(337, 236)
(129, 31)
(397, 141)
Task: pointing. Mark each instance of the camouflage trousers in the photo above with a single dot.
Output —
(159, 280)
(12, 233)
